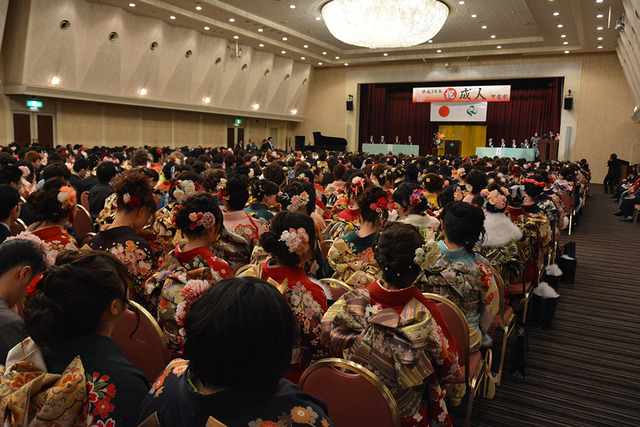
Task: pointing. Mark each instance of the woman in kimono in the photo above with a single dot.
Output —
(136, 204)
(412, 205)
(200, 220)
(264, 195)
(391, 310)
(350, 258)
(234, 194)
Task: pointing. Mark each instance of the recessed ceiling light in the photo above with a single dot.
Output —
(292, 6)
(563, 36)
(260, 30)
(132, 5)
(346, 64)
(556, 13)
(599, 28)
(284, 39)
(261, 45)
(324, 53)
(337, 57)
(565, 42)
(600, 38)
(206, 100)
(283, 52)
(198, 6)
(303, 58)
(172, 17)
(600, 47)
(599, 16)
(385, 54)
(294, 111)
(484, 27)
(461, 2)
(207, 28)
(55, 80)
(319, 63)
(493, 36)
(306, 46)
(560, 25)
(599, 1)
(566, 51)
(232, 20)
(255, 106)
(498, 47)
(439, 51)
(430, 41)
(474, 16)
(142, 91)
(317, 19)
(236, 37)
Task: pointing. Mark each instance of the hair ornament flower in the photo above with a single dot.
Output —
(223, 193)
(132, 201)
(484, 192)
(206, 220)
(468, 188)
(191, 292)
(380, 205)
(416, 197)
(296, 240)
(25, 171)
(357, 184)
(534, 182)
(495, 198)
(298, 201)
(457, 195)
(461, 172)
(49, 255)
(67, 197)
(426, 255)
(185, 189)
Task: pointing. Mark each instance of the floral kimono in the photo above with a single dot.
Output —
(351, 259)
(467, 280)
(338, 227)
(56, 239)
(177, 269)
(136, 255)
(241, 223)
(499, 246)
(232, 248)
(168, 236)
(402, 338)
(536, 234)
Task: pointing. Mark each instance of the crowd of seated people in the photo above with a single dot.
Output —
(231, 252)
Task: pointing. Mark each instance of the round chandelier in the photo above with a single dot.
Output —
(384, 23)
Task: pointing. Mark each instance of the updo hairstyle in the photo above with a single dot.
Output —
(369, 197)
(477, 180)
(463, 224)
(532, 189)
(262, 187)
(133, 191)
(403, 194)
(433, 183)
(200, 203)
(45, 203)
(394, 251)
(73, 295)
(211, 178)
(296, 188)
(383, 174)
(238, 192)
(283, 221)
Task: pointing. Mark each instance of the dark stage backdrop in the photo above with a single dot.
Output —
(387, 109)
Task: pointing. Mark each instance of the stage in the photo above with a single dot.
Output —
(518, 153)
(412, 150)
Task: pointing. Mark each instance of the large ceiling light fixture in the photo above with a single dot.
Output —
(384, 23)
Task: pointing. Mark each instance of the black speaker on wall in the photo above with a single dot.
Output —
(300, 142)
(349, 105)
(568, 103)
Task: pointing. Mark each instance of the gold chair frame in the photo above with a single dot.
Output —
(472, 382)
(337, 283)
(335, 362)
(154, 324)
(245, 268)
(507, 326)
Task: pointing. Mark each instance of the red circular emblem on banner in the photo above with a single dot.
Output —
(444, 111)
(450, 94)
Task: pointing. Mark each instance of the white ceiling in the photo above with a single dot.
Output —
(520, 27)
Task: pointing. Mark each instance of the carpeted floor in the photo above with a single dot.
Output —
(585, 370)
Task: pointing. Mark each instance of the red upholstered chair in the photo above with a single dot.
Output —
(336, 287)
(17, 227)
(568, 206)
(147, 347)
(524, 286)
(84, 199)
(472, 366)
(82, 223)
(504, 320)
(355, 397)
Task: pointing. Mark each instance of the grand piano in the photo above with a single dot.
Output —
(328, 143)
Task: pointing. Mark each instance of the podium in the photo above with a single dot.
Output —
(548, 150)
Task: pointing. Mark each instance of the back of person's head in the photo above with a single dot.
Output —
(373, 204)
(614, 156)
(152, 174)
(80, 163)
(462, 223)
(298, 197)
(412, 172)
(73, 295)
(106, 171)
(410, 195)
(139, 158)
(394, 251)
(169, 170)
(17, 252)
(275, 243)
(240, 334)
(262, 187)
(10, 174)
(477, 180)
(237, 186)
(534, 185)
(356, 162)
(492, 199)
(274, 172)
(134, 191)
(32, 156)
(10, 199)
(53, 201)
(198, 213)
(56, 170)
(211, 178)
(433, 183)
(338, 171)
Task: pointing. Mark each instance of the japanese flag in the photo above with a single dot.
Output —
(458, 111)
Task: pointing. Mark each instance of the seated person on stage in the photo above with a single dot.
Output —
(490, 143)
(372, 321)
(200, 220)
(409, 140)
(514, 144)
(350, 258)
(240, 336)
(20, 261)
(70, 320)
(397, 140)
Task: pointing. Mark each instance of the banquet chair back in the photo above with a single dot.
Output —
(336, 288)
(17, 227)
(524, 286)
(82, 223)
(147, 347)
(568, 206)
(355, 396)
(84, 199)
(505, 320)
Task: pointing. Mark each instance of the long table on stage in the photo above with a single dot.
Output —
(519, 153)
(412, 150)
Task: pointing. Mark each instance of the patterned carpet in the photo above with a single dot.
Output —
(585, 371)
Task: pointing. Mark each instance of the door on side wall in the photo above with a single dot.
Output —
(33, 128)
(273, 133)
(233, 136)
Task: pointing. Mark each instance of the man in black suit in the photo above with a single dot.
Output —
(251, 146)
(268, 144)
(239, 146)
(80, 167)
(106, 173)
(9, 209)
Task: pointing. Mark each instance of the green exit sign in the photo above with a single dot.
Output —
(238, 121)
(32, 103)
